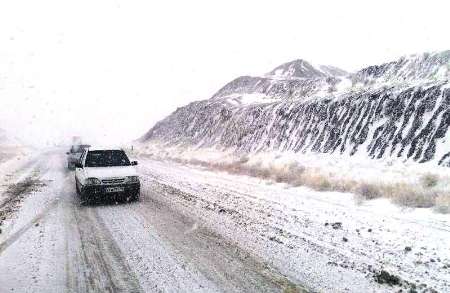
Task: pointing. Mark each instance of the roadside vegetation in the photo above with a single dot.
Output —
(426, 193)
(428, 190)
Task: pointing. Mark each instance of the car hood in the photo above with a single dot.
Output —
(110, 172)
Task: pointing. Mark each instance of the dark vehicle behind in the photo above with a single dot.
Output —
(74, 154)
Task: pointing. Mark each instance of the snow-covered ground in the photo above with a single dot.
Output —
(15, 165)
(52, 244)
(195, 230)
(405, 183)
(320, 239)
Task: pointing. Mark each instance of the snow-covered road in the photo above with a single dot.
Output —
(50, 243)
(200, 231)
(326, 241)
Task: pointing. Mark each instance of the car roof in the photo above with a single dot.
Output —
(104, 148)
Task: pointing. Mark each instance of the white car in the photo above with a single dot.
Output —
(106, 173)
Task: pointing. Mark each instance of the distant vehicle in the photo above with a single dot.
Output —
(76, 140)
(74, 155)
(106, 173)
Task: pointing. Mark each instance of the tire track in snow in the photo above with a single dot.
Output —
(228, 265)
(103, 265)
(14, 237)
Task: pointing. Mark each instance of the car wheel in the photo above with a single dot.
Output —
(84, 198)
(135, 197)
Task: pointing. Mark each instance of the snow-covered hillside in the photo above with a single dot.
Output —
(398, 110)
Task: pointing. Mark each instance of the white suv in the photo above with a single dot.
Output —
(106, 173)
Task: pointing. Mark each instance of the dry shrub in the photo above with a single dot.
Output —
(234, 167)
(442, 203)
(177, 160)
(369, 191)
(291, 173)
(281, 174)
(317, 181)
(346, 185)
(263, 173)
(196, 162)
(296, 169)
(324, 184)
(294, 174)
(410, 196)
(429, 180)
(297, 180)
(420, 196)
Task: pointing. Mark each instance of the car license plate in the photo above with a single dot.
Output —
(114, 189)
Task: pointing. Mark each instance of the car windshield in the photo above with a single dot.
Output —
(106, 158)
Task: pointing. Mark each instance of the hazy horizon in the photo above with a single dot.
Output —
(109, 70)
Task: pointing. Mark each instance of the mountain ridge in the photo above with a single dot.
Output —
(300, 68)
(400, 109)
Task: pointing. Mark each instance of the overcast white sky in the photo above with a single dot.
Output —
(108, 70)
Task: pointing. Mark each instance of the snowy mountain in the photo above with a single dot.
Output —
(296, 79)
(302, 69)
(399, 109)
(414, 68)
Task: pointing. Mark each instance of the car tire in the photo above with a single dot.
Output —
(84, 197)
(135, 197)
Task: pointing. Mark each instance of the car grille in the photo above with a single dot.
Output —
(113, 181)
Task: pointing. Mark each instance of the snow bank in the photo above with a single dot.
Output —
(408, 184)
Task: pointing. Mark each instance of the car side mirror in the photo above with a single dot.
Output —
(67, 153)
(134, 163)
(78, 165)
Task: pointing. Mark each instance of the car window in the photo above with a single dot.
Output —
(106, 158)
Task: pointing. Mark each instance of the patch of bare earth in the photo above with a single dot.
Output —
(15, 194)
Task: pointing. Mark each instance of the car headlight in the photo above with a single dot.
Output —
(92, 181)
(132, 179)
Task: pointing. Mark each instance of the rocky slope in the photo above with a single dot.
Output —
(400, 110)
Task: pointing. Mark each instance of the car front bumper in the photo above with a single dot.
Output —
(100, 191)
